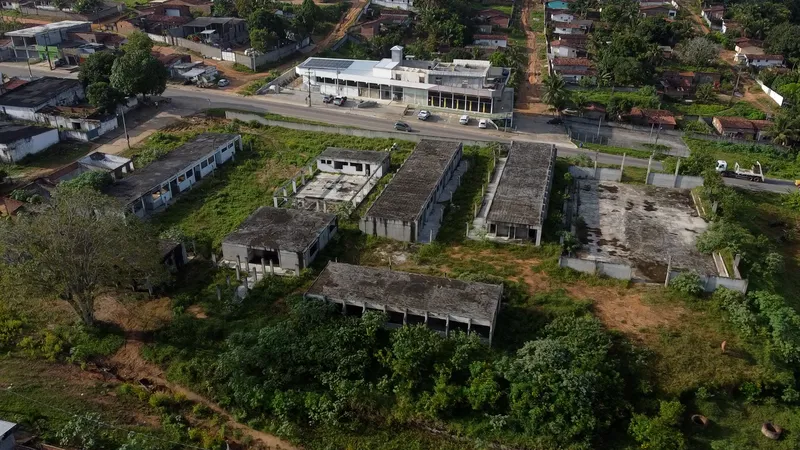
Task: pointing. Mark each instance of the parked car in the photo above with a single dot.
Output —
(327, 99)
(402, 126)
(423, 115)
(223, 82)
(464, 120)
(367, 104)
(340, 101)
(555, 121)
(482, 123)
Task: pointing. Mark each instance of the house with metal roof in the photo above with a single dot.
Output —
(19, 141)
(23, 102)
(442, 304)
(155, 186)
(278, 241)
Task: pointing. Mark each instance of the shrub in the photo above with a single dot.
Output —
(161, 400)
(687, 283)
(661, 431)
(96, 180)
(737, 307)
(11, 328)
(792, 200)
(46, 345)
(90, 343)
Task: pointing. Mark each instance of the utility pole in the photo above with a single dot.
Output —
(125, 127)
(309, 88)
(47, 50)
(598, 126)
(657, 133)
(738, 76)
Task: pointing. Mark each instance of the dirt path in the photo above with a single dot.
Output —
(341, 27)
(530, 96)
(128, 363)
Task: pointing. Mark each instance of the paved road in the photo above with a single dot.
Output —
(530, 129)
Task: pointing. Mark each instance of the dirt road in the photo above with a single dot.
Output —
(530, 97)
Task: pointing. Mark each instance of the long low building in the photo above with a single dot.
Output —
(442, 304)
(519, 206)
(154, 186)
(280, 240)
(19, 141)
(401, 210)
(463, 85)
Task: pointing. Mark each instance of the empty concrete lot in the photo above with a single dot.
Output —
(641, 226)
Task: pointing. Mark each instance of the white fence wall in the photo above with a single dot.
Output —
(600, 173)
(711, 283)
(229, 56)
(618, 271)
(676, 182)
(777, 98)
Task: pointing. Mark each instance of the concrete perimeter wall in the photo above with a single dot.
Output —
(675, 182)
(711, 283)
(618, 271)
(413, 137)
(600, 173)
(777, 98)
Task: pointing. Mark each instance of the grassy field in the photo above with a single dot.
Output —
(643, 153)
(738, 109)
(776, 163)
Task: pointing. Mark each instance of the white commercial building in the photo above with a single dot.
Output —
(463, 85)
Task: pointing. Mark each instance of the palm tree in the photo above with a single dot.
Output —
(784, 130)
(555, 92)
(580, 99)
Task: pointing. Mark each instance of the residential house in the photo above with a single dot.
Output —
(9, 208)
(440, 304)
(746, 46)
(729, 26)
(562, 16)
(572, 69)
(45, 41)
(153, 24)
(406, 206)
(662, 118)
(19, 141)
(761, 60)
(25, 101)
(683, 84)
(373, 27)
(171, 60)
(7, 441)
(111, 41)
(741, 128)
(462, 85)
(494, 18)
(518, 208)
(566, 49)
(282, 241)
(580, 27)
(594, 111)
(713, 16)
(84, 45)
(223, 31)
(490, 40)
(153, 187)
(170, 10)
(648, 3)
(407, 5)
(665, 10)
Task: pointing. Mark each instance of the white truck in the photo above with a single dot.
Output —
(753, 174)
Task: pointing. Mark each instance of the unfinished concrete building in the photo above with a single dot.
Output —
(442, 304)
(407, 209)
(518, 207)
(339, 175)
(278, 241)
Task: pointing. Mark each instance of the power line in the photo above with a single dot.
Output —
(108, 425)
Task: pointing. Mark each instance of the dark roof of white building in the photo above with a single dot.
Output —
(526, 178)
(406, 194)
(12, 133)
(347, 154)
(280, 228)
(144, 179)
(403, 290)
(37, 92)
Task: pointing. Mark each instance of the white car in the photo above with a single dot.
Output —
(482, 123)
(423, 115)
(464, 119)
(223, 82)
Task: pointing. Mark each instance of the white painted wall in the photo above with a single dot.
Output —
(564, 52)
(562, 17)
(490, 43)
(349, 167)
(15, 151)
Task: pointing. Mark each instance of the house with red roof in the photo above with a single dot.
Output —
(653, 117)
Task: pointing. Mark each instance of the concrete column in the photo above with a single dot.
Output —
(284, 192)
(214, 260)
(469, 325)
(467, 235)
(622, 167)
(219, 294)
(246, 284)
(263, 267)
(405, 317)
(447, 327)
(649, 163)
(255, 275)
(271, 268)
(238, 265)
(294, 186)
(247, 266)
(669, 267)
(228, 280)
(677, 167)
(595, 166)
(324, 206)
(275, 202)
(344, 307)
(538, 236)
(302, 179)
(426, 317)
(310, 170)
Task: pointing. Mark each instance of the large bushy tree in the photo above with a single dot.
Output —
(97, 67)
(137, 71)
(77, 247)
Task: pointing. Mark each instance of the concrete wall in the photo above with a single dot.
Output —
(777, 98)
(711, 283)
(349, 167)
(618, 271)
(205, 50)
(392, 229)
(600, 173)
(11, 153)
(672, 181)
(399, 135)
(65, 15)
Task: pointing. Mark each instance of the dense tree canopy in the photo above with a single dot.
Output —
(758, 17)
(137, 71)
(97, 67)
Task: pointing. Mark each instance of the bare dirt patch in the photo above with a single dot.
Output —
(197, 311)
(623, 309)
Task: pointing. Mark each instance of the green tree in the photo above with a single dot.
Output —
(137, 71)
(263, 40)
(78, 247)
(555, 92)
(104, 97)
(580, 100)
(785, 129)
(307, 16)
(97, 67)
(782, 40)
(698, 52)
(661, 432)
(138, 41)
(93, 179)
(705, 93)
(758, 17)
